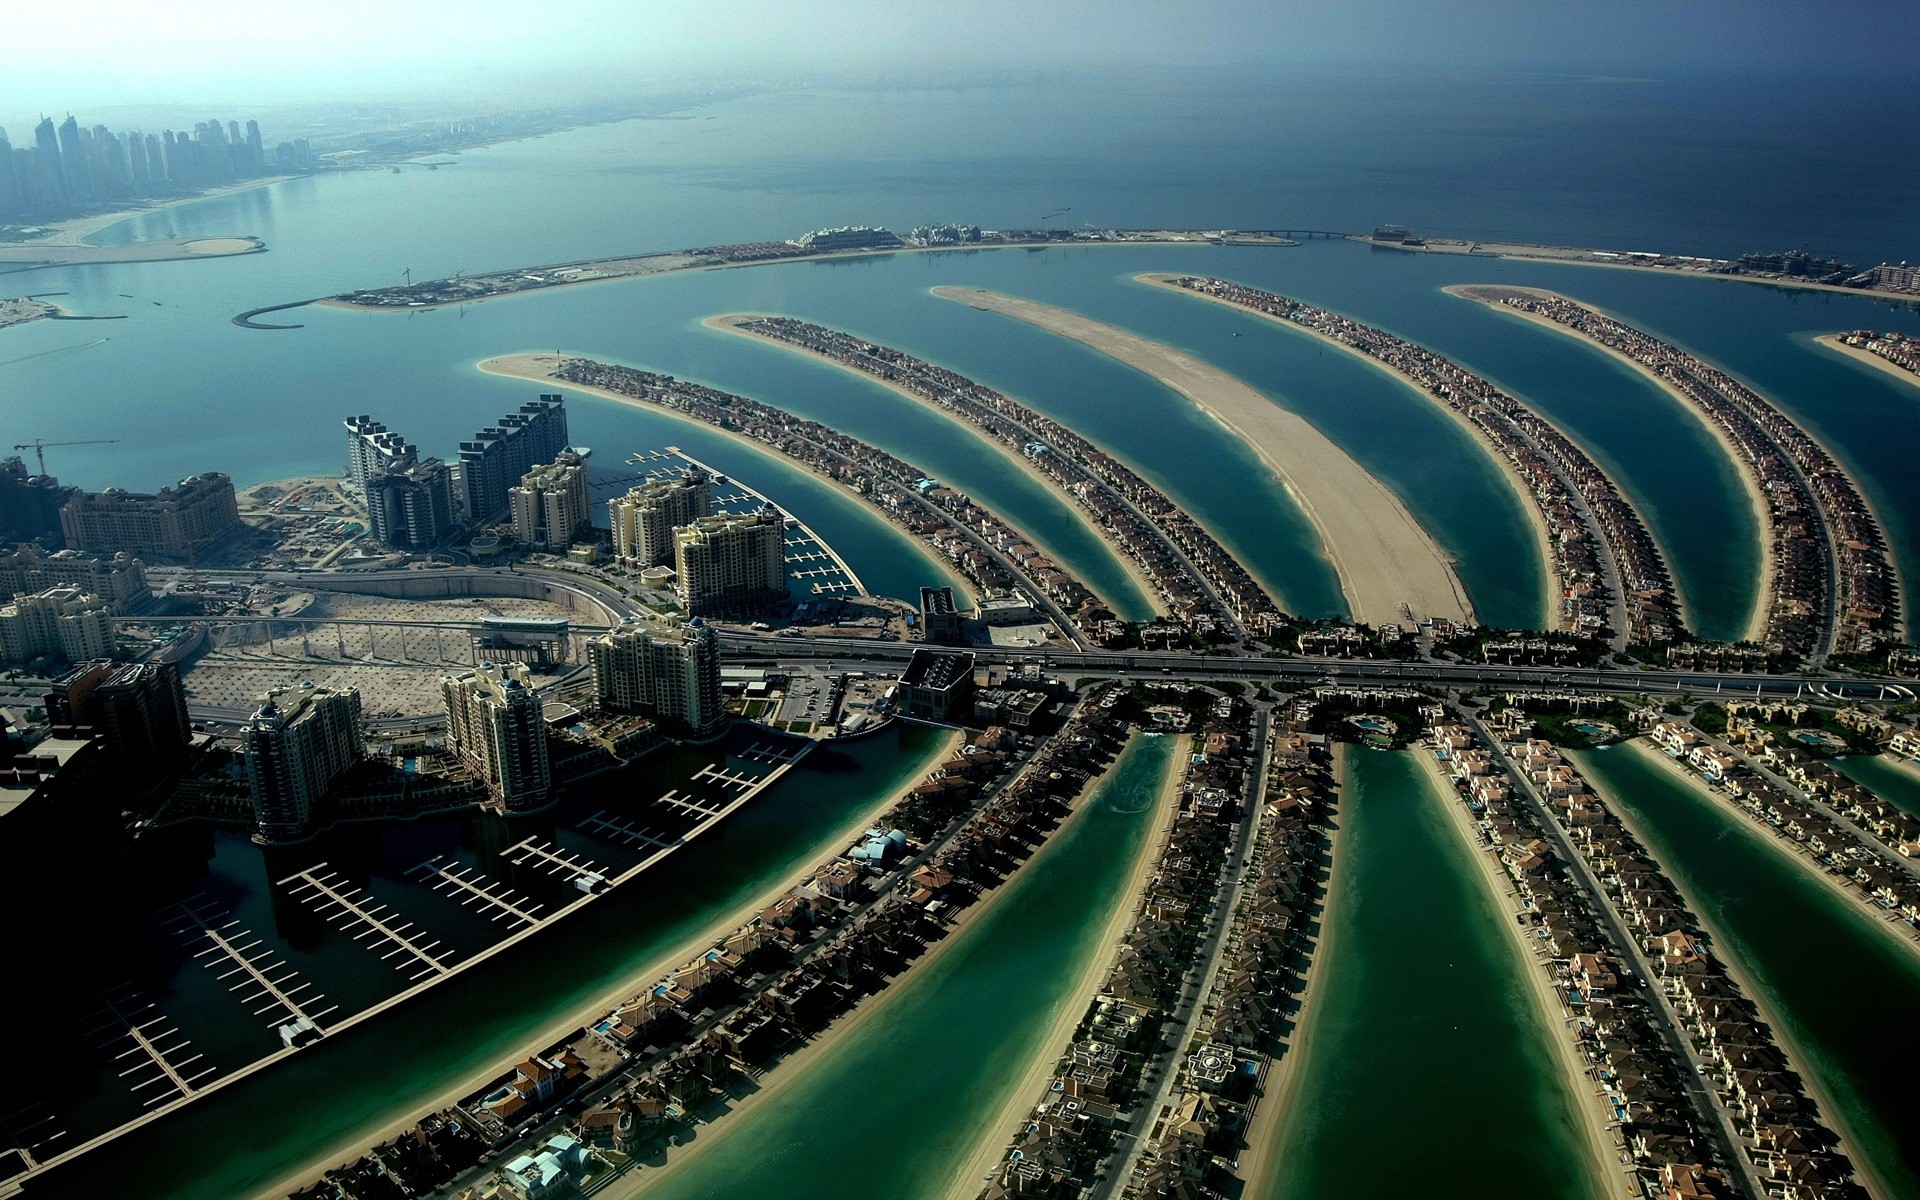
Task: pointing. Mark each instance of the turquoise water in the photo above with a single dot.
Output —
(906, 1099)
(1847, 993)
(330, 1098)
(1424, 1069)
(1893, 782)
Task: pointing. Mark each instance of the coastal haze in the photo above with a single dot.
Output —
(1226, 600)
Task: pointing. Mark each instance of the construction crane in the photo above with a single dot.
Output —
(39, 448)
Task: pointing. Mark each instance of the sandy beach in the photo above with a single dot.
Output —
(1280, 1089)
(1834, 1116)
(1386, 562)
(731, 323)
(28, 255)
(789, 1070)
(1832, 342)
(970, 1180)
(355, 1144)
(1542, 533)
(539, 368)
(1581, 1089)
(1756, 627)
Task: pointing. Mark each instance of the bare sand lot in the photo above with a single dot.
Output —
(1389, 566)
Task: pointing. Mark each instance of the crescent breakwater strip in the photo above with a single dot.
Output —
(1389, 568)
(1832, 586)
(966, 534)
(1201, 584)
(1604, 559)
(1691, 1067)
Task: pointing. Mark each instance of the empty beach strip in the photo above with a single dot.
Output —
(1389, 567)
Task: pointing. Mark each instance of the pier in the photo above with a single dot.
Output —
(549, 859)
(256, 977)
(468, 888)
(366, 920)
(159, 1050)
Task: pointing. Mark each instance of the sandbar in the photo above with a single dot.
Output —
(33, 255)
(1554, 1022)
(1388, 565)
(1550, 608)
(795, 1067)
(353, 1145)
(540, 367)
(732, 323)
(1756, 628)
(1832, 342)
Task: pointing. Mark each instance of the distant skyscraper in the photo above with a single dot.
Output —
(73, 162)
(644, 519)
(298, 743)
(496, 725)
(10, 205)
(156, 158)
(731, 562)
(255, 149)
(550, 505)
(663, 667)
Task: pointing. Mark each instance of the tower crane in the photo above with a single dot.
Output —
(39, 448)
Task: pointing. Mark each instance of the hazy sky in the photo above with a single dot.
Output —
(80, 53)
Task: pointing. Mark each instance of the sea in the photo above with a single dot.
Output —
(1713, 164)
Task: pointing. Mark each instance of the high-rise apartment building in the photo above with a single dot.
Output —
(550, 505)
(30, 504)
(496, 458)
(644, 519)
(120, 579)
(373, 449)
(411, 509)
(662, 667)
(62, 621)
(496, 725)
(731, 562)
(192, 516)
(138, 710)
(297, 744)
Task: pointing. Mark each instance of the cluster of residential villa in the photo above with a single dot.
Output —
(1253, 996)
(1649, 1005)
(1828, 551)
(905, 494)
(1902, 350)
(1073, 1133)
(1864, 844)
(1202, 585)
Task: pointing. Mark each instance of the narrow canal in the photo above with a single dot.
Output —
(908, 1093)
(330, 1099)
(1424, 1069)
(1847, 994)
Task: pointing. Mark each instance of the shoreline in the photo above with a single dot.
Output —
(664, 961)
(1282, 1086)
(1384, 558)
(1554, 619)
(1864, 1171)
(515, 366)
(70, 232)
(730, 323)
(1832, 342)
(1547, 1011)
(1058, 1038)
(794, 1067)
(1756, 626)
